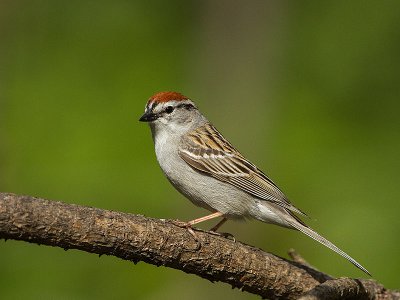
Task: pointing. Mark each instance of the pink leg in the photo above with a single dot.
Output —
(220, 223)
(205, 218)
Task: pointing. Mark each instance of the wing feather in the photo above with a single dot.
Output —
(206, 150)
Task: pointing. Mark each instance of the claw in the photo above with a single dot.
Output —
(189, 228)
(180, 223)
(226, 235)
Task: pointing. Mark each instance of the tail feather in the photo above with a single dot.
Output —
(312, 234)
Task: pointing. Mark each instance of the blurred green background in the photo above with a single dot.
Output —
(314, 86)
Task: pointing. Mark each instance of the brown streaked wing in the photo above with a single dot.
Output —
(206, 150)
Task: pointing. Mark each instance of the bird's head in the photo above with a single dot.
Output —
(171, 111)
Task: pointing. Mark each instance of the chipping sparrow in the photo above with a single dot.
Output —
(202, 165)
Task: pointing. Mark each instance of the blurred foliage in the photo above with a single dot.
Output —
(314, 86)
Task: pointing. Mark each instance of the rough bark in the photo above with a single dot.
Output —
(162, 242)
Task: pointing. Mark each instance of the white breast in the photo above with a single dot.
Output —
(203, 190)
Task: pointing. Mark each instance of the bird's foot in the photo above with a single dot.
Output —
(180, 223)
(189, 228)
(226, 235)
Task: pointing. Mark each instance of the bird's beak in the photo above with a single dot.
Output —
(148, 116)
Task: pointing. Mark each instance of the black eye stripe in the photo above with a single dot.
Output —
(188, 106)
(169, 109)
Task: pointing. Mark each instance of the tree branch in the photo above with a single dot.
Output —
(161, 242)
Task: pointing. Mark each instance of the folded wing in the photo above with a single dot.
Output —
(206, 150)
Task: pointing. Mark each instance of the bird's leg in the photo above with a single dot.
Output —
(223, 234)
(196, 221)
(205, 218)
(215, 228)
(219, 224)
(189, 225)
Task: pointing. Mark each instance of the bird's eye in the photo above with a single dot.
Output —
(169, 109)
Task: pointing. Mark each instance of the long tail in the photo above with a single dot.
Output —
(312, 234)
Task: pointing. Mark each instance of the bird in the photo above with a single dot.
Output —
(208, 170)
